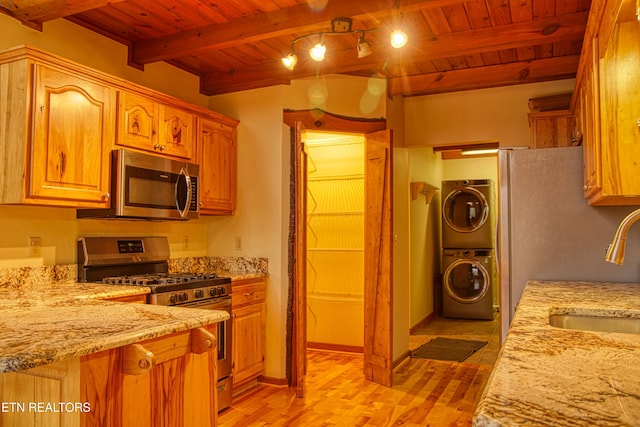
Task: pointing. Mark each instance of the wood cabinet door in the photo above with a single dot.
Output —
(137, 121)
(145, 124)
(620, 115)
(73, 134)
(217, 158)
(176, 132)
(590, 119)
(248, 342)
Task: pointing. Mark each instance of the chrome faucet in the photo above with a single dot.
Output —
(615, 251)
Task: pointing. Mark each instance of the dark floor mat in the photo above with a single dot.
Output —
(447, 349)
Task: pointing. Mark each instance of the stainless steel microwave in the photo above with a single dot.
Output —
(144, 186)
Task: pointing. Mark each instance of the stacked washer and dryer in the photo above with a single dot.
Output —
(469, 279)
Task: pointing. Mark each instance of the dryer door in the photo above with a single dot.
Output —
(465, 210)
(466, 281)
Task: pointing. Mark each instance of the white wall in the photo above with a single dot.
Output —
(425, 166)
(262, 212)
(478, 115)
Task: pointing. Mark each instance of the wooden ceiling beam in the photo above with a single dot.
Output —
(567, 28)
(38, 11)
(269, 25)
(563, 67)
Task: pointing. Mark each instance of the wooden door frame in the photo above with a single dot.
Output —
(310, 120)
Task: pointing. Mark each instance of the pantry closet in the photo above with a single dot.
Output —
(335, 240)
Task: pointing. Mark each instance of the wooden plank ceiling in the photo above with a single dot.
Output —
(236, 45)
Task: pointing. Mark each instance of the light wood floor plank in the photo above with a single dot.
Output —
(425, 393)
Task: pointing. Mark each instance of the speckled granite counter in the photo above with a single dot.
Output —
(548, 376)
(46, 316)
(38, 334)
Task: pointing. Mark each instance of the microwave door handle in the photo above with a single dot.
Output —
(187, 179)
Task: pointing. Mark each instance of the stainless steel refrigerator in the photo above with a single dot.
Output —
(546, 229)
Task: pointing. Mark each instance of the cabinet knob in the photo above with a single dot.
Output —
(106, 196)
(638, 122)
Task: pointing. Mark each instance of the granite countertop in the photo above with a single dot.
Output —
(38, 334)
(548, 376)
(46, 316)
(46, 323)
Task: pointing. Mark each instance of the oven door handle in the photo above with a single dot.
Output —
(222, 304)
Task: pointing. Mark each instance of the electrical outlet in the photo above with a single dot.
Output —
(238, 243)
(35, 246)
(185, 242)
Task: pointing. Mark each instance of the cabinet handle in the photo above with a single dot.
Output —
(248, 294)
(202, 340)
(638, 122)
(136, 359)
(106, 196)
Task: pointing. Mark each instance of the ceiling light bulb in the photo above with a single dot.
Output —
(290, 61)
(318, 51)
(398, 38)
(364, 48)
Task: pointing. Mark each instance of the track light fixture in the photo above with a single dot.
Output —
(364, 48)
(339, 26)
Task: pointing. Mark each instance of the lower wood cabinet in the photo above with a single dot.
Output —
(249, 332)
(166, 381)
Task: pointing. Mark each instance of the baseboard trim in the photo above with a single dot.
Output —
(335, 347)
(422, 323)
(405, 357)
(273, 381)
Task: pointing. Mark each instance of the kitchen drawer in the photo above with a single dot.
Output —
(248, 293)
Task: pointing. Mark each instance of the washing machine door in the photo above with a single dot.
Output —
(465, 209)
(466, 281)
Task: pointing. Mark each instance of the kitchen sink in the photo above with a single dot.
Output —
(596, 322)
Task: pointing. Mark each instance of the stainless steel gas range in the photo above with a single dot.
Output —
(143, 261)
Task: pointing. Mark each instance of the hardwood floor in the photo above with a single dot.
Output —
(424, 393)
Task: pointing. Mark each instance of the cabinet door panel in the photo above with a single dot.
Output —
(137, 118)
(177, 131)
(217, 159)
(73, 133)
(248, 342)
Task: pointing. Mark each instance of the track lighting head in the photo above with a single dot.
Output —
(318, 51)
(364, 48)
(290, 61)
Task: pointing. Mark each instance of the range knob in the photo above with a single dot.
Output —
(184, 296)
(221, 290)
(173, 298)
(213, 292)
(199, 293)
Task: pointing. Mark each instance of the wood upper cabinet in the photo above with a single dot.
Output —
(610, 98)
(145, 124)
(57, 139)
(249, 332)
(72, 135)
(552, 129)
(217, 157)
